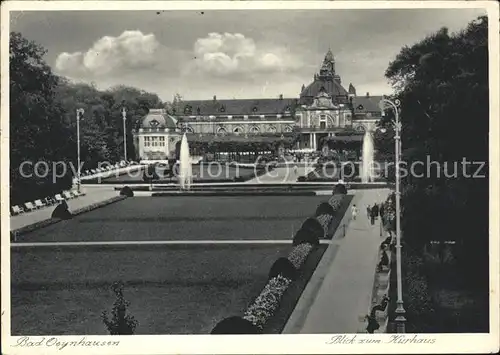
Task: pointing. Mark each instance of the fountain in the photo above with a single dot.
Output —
(367, 158)
(185, 168)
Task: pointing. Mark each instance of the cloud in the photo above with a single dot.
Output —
(111, 55)
(227, 54)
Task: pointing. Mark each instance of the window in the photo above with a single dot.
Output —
(254, 130)
(322, 125)
(238, 130)
(154, 141)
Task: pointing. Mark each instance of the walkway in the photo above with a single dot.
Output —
(93, 195)
(340, 291)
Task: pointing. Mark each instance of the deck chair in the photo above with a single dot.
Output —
(17, 210)
(67, 195)
(29, 206)
(59, 198)
(49, 201)
(39, 204)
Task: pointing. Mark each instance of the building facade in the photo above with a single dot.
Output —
(323, 113)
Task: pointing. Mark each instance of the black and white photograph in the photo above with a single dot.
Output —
(249, 168)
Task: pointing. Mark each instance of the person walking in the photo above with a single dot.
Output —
(375, 210)
(295, 169)
(372, 216)
(368, 211)
(354, 212)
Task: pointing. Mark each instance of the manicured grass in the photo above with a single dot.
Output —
(186, 218)
(172, 289)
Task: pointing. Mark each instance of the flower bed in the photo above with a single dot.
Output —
(299, 254)
(267, 302)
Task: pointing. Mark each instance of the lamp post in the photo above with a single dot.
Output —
(124, 114)
(400, 311)
(79, 113)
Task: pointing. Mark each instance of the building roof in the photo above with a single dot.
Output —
(331, 87)
(237, 107)
(158, 118)
(364, 104)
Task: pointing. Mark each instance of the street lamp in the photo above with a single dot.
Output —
(400, 311)
(79, 113)
(124, 114)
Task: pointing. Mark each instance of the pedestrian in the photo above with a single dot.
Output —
(381, 211)
(295, 169)
(375, 210)
(354, 212)
(368, 211)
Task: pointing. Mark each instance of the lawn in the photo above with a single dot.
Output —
(186, 218)
(172, 289)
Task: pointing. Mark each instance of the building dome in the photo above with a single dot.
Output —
(158, 118)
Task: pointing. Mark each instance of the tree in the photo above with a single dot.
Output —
(442, 83)
(36, 122)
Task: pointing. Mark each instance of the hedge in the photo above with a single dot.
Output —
(235, 325)
(325, 208)
(283, 267)
(127, 191)
(305, 236)
(314, 226)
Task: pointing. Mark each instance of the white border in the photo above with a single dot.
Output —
(261, 344)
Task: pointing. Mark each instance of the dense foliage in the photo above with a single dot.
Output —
(43, 122)
(442, 83)
(120, 322)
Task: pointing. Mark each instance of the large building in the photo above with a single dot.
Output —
(322, 113)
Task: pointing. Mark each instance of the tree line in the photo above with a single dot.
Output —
(442, 83)
(43, 122)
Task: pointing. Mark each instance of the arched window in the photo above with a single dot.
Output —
(322, 122)
(254, 130)
(361, 129)
(288, 129)
(221, 130)
(271, 129)
(238, 130)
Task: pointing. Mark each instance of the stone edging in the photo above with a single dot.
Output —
(47, 222)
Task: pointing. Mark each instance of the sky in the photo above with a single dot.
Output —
(229, 53)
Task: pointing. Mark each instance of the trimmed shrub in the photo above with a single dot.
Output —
(311, 224)
(340, 189)
(325, 208)
(305, 236)
(61, 211)
(127, 191)
(283, 267)
(299, 254)
(301, 179)
(120, 323)
(267, 302)
(235, 325)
